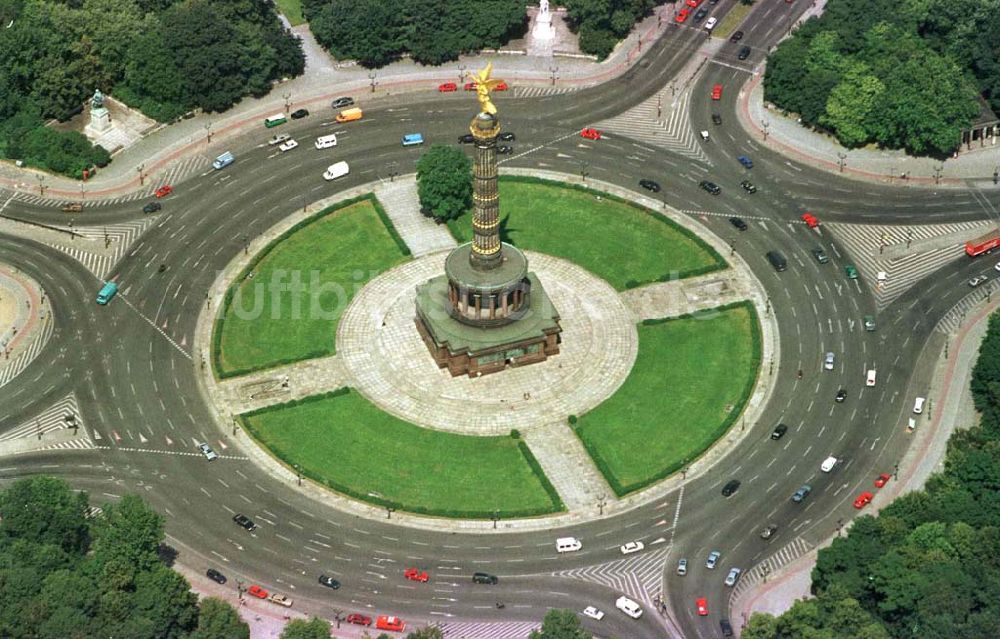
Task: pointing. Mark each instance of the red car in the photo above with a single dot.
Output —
(863, 499)
(385, 622)
(501, 86)
(470, 86)
(163, 191)
(590, 134)
(810, 220)
(693, 3)
(415, 574)
(447, 87)
(257, 591)
(717, 92)
(358, 619)
(702, 605)
(682, 15)
(882, 480)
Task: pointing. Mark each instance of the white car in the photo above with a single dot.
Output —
(288, 145)
(631, 547)
(828, 464)
(828, 362)
(870, 378)
(682, 567)
(997, 267)
(629, 607)
(593, 613)
(710, 23)
(278, 139)
(281, 600)
(207, 451)
(713, 558)
(732, 577)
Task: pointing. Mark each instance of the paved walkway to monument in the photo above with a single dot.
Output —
(22, 317)
(423, 235)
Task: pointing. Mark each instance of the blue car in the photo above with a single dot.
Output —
(745, 161)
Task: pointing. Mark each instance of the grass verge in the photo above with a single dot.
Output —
(344, 442)
(625, 244)
(292, 10)
(692, 377)
(300, 285)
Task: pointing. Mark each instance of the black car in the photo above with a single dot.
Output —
(700, 14)
(727, 628)
(152, 207)
(779, 431)
(340, 103)
(731, 487)
(650, 185)
(216, 576)
(503, 149)
(736, 37)
(484, 578)
(711, 187)
(245, 522)
(738, 223)
(748, 186)
(466, 139)
(841, 395)
(299, 114)
(716, 118)
(744, 53)
(507, 136)
(777, 260)
(329, 582)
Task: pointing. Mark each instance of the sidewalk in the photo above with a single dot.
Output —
(782, 134)
(322, 81)
(950, 386)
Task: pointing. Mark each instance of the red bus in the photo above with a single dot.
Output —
(983, 244)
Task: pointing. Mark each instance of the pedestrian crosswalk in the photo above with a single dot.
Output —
(640, 576)
(488, 629)
(784, 555)
(905, 254)
(116, 239)
(661, 121)
(954, 318)
(62, 415)
(540, 91)
(13, 367)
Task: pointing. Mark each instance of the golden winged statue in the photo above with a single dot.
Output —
(483, 87)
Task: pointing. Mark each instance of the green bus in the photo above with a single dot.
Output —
(274, 120)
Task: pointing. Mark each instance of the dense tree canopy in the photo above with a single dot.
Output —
(560, 624)
(900, 73)
(164, 57)
(602, 23)
(377, 32)
(928, 565)
(444, 182)
(63, 576)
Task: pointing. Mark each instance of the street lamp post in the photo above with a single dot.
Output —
(553, 75)
(372, 78)
(601, 503)
(584, 172)
(892, 173)
(138, 170)
(461, 73)
(246, 244)
(659, 106)
(765, 124)
(937, 173)
(288, 102)
(208, 133)
(496, 517)
(298, 474)
(41, 185)
(841, 161)
(388, 512)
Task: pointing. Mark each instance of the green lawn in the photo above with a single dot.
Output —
(350, 445)
(625, 245)
(690, 380)
(289, 310)
(292, 10)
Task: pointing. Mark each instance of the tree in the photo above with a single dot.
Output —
(301, 629)
(444, 182)
(126, 537)
(218, 620)
(851, 105)
(428, 632)
(369, 32)
(46, 511)
(560, 624)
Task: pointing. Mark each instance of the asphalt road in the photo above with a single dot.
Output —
(132, 374)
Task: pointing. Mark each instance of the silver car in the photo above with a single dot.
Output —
(828, 362)
(207, 451)
(713, 558)
(732, 577)
(682, 567)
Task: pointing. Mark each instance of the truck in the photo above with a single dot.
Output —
(983, 244)
(349, 115)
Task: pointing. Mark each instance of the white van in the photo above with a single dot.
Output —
(918, 406)
(338, 170)
(629, 607)
(828, 464)
(870, 379)
(568, 544)
(326, 141)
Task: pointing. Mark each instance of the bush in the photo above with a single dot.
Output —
(444, 182)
